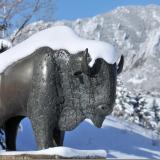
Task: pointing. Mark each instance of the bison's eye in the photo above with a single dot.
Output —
(77, 73)
(101, 109)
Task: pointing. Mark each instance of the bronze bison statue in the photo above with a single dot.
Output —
(56, 90)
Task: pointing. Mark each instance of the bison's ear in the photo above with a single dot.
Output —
(86, 69)
(70, 118)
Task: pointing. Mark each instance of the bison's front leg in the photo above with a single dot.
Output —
(41, 107)
(58, 136)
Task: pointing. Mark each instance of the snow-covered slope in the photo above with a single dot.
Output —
(119, 138)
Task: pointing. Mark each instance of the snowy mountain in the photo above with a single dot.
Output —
(135, 32)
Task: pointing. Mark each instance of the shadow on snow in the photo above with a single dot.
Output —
(86, 136)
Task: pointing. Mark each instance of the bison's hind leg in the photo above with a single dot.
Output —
(11, 126)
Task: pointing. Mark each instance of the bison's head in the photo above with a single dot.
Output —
(89, 92)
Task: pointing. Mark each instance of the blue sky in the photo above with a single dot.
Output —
(73, 9)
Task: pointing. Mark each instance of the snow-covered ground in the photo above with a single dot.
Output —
(120, 139)
(62, 152)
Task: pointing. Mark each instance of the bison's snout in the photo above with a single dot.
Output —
(101, 111)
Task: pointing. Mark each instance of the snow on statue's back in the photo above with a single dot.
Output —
(59, 37)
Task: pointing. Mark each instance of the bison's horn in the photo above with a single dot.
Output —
(90, 71)
(120, 65)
